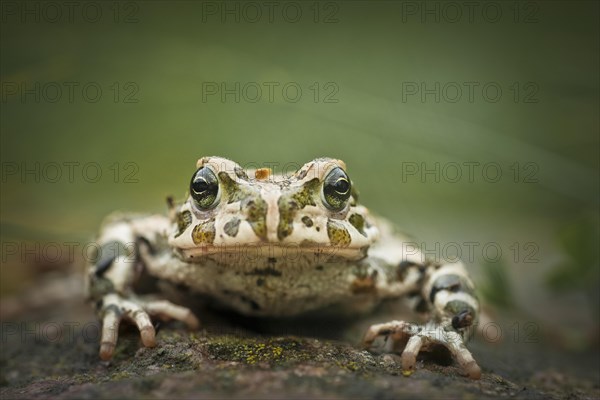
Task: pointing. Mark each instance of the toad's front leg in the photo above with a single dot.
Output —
(112, 276)
(417, 338)
(448, 293)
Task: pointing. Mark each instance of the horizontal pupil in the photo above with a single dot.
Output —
(342, 186)
(200, 187)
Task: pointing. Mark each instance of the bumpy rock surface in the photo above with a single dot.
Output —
(44, 358)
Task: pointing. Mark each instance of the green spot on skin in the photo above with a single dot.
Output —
(358, 222)
(290, 204)
(287, 211)
(232, 190)
(305, 195)
(183, 220)
(204, 232)
(251, 204)
(338, 234)
(307, 221)
(256, 215)
(232, 226)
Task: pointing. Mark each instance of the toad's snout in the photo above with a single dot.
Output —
(271, 198)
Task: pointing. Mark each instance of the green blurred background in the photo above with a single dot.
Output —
(365, 56)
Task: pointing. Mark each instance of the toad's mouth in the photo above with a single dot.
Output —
(273, 252)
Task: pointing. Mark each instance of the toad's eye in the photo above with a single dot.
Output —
(336, 189)
(204, 188)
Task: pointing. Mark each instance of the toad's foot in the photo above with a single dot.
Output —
(115, 308)
(419, 338)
